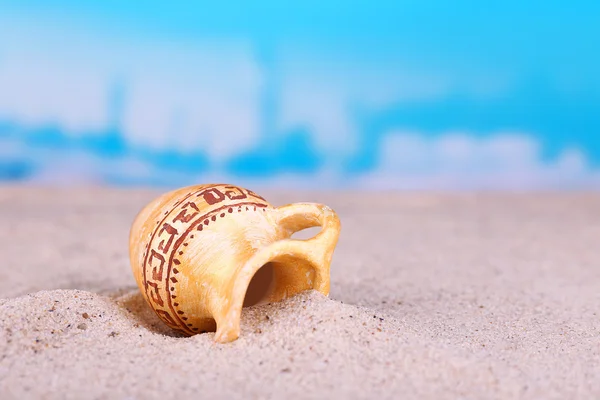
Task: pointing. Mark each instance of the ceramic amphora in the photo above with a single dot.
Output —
(201, 253)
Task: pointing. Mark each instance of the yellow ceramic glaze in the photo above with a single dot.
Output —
(201, 253)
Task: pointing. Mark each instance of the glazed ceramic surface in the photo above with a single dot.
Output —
(199, 254)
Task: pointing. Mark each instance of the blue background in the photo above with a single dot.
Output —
(337, 94)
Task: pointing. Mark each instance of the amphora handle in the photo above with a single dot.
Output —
(317, 250)
(298, 216)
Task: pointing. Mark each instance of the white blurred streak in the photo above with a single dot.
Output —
(502, 161)
(184, 96)
(38, 91)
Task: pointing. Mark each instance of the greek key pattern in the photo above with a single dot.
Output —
(187, 218)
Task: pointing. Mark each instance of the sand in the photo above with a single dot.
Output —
(433, 296)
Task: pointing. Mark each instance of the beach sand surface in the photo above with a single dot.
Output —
(433, 296)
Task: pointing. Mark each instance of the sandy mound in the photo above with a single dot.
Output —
(69, 342)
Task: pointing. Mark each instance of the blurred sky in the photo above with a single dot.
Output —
(367, 94)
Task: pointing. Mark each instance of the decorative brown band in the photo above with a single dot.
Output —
(198, 225)
(172, 232)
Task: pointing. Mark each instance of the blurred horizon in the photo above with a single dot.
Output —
(378, 95)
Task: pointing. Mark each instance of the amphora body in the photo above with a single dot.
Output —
(201, 253)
